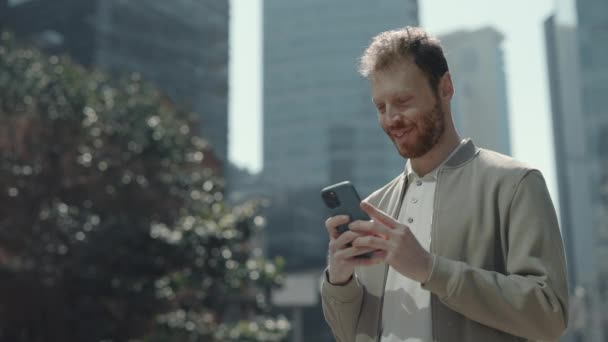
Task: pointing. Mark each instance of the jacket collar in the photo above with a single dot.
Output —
(465, 153)
(462, 154)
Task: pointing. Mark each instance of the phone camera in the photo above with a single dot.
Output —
(331, 199)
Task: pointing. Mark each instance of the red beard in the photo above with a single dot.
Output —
(425, 131)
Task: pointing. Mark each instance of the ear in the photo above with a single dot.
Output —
(446, 87)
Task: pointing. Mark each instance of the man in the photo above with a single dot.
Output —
(466, 244)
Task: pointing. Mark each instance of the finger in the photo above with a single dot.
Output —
(373, 242)
(380, 254)
(333, 222)
(350, 252)
(371, 227)
(347, 237)
(342, 240)
(379, 215)
(376, 258)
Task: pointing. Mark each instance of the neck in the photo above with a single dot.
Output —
(448, 141)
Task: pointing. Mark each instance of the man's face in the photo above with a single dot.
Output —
(408, 110)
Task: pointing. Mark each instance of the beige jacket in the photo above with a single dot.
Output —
(499, 272)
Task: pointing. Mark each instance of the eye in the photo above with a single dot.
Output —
(381, 108)
(403, 100)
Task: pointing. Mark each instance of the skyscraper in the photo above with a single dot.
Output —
(320, 125)
(578, 74)
(181, 46)
(479, 106)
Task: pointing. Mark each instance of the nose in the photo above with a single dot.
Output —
(391, 113)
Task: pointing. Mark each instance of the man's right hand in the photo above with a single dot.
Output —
(341, 255)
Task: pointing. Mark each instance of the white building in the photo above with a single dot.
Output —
(479, 107)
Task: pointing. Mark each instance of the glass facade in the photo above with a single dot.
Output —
(578, 75)
(311, 88)
(319, 124)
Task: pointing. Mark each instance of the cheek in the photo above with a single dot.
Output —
(413, 113)
(408, 116)
(412, 116)
(382, 120)
(422, 114)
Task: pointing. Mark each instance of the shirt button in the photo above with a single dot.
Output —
(410, 220)
(414, 200)
(419, 183)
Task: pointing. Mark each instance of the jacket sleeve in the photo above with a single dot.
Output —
(341, 307)
(531, 299)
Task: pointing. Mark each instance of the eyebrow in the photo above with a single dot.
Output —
(406, 96)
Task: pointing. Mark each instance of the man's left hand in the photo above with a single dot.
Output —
(395, 244)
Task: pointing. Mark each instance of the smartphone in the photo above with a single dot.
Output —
(342, 199)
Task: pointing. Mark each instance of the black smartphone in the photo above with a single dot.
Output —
(342, 199)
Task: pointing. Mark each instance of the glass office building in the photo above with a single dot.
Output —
(578, 73)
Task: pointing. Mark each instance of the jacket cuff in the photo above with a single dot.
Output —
(445, 277)
(341, 293)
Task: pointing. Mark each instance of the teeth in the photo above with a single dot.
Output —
(399, 134)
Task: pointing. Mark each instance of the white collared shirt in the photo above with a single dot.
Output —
(406, 311)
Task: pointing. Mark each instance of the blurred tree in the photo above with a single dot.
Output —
(112, 218)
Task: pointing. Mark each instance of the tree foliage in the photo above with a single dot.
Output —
(113, 224)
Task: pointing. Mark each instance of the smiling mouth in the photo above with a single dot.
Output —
(399, 133)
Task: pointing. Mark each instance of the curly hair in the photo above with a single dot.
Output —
(391, 47)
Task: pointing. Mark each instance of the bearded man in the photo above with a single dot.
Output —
(466, 244)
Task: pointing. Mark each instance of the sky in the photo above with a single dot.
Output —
(520, 21)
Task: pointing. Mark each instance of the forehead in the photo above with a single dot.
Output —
(397, 79)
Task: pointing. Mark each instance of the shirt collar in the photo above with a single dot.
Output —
(431, 176)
